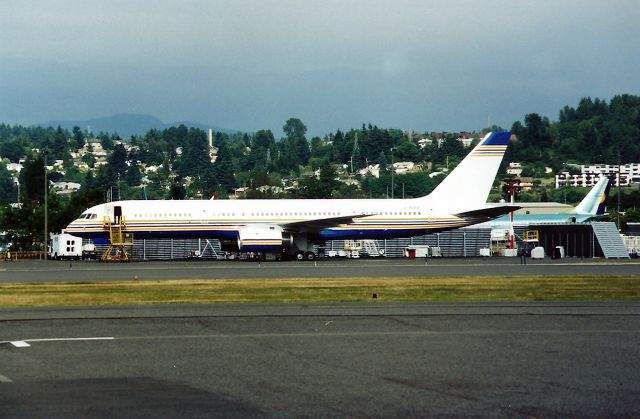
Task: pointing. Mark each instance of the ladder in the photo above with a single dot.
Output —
(609, 240)
(121, 242)
(371, 247)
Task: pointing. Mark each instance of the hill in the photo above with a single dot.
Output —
(127, 125)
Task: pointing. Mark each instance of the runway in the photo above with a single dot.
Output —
(391, 360)
(82, 271)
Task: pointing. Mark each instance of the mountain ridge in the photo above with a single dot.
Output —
(127, 124)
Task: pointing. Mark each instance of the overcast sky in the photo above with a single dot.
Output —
(252, 64)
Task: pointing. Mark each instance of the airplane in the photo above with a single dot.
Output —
(593, 205)
(288, 228)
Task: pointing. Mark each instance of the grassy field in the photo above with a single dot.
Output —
(314, 290)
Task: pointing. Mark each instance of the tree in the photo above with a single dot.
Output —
(177, 190)
(263, 151)
(294, 128)
(106, 141)
(78, 137)
(327, 180)
(223, 168)
(382, 161)
(118, 161)
(209, 182)
(59, 146)
(194, 159)
(8, 189)
(323, 186)
(32, 177)
(133, 176)
(296, 142)
(407, 151)
(12, 149)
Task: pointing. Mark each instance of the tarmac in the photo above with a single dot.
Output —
(299, 360)
(83, 271)
(291, 360)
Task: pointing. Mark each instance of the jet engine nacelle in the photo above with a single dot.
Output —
(263, 239)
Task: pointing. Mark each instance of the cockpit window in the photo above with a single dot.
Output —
(93, 216)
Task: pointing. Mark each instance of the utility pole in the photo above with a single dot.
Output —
(566, 179)
(619, 181)
(393, 171)
(353, 151)
(46, 225)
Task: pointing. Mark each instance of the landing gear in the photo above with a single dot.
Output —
(300, 255)
(302, 247)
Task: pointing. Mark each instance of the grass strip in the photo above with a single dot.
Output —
(322, 290)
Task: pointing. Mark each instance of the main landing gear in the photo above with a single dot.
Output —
(305, 255)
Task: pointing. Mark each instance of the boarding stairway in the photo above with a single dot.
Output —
(610, 240)
(121, 242)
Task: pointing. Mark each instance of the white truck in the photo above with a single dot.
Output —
(65, 246)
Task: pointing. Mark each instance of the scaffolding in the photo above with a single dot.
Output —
(121, 242)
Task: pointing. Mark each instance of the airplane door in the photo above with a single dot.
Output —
(109, 211)
(117, 214)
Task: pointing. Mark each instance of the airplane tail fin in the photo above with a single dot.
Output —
(468, 185)
(595, 202)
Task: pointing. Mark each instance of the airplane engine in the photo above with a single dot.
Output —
(263, 239)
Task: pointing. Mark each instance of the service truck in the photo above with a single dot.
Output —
(65, 246)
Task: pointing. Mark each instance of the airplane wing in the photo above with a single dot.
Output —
(487, 214)
(313, 226)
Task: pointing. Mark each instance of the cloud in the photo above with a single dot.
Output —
(251, 64)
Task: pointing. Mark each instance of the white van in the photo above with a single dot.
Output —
(65, 246)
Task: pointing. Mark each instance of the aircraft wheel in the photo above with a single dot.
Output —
(299, 255)
(310, 256)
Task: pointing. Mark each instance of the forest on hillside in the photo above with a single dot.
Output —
(595, 131)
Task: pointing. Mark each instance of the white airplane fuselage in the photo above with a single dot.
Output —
(293, 226)
(378, 218)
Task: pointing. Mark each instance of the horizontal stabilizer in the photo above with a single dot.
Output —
(487, 214)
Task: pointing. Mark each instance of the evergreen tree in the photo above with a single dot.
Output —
(223, 168)
(32, 179)
(382, 161)
(133, 176)
(177, 190)
(263, 150)
(118, 161)
(8, 189)
(59, 146)
(78, 137)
